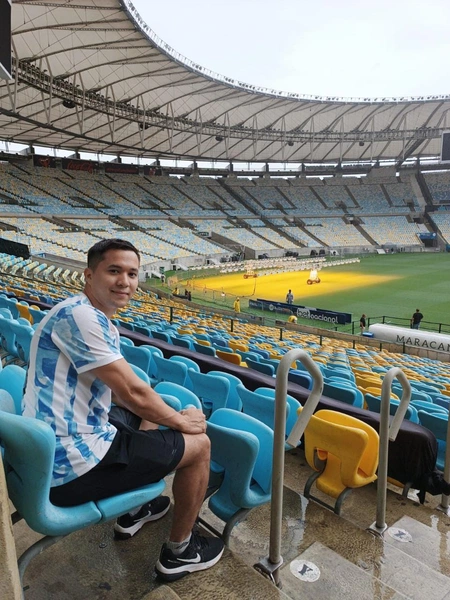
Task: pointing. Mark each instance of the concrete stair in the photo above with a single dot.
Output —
(412, 561)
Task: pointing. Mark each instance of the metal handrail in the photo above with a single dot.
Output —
(387, 434)
(273, 562)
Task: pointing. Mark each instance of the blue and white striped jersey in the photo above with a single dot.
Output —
(73, 339)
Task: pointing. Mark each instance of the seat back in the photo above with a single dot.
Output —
(231, 357)
(8, 338)
(234, 401)
(212, 390)
(183, 342)
(12, 379)
(191, 365)
(345, 394)
(349, 447)
(300, 378)
(292, 406)
(154, 352)
(184, 396)
(29, 450)
(242, 446)
(430, 407)
(261, 367)
(202, 349)
(374, 404)
(170, 370)
(140, 373)
(137, 355)
(162, 335)
(24, 335)
(437, 423)
(24, 311)
(261, 406)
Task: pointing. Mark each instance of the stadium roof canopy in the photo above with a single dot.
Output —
(92, 76)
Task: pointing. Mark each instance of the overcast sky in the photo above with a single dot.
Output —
(329, 47)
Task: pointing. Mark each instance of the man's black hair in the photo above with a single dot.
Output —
(97, 252)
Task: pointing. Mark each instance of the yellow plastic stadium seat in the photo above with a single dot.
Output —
(238, 346)
(229, 357)
(24, 312)
(344, 453)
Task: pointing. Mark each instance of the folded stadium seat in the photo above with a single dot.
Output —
(347, 394)
(143, 329)
(10, 303)
(185, 398)
(300, 378)
(212, 390)
(24, 334)
(24, 311)
(162, 335)
(429, 407)
(270, 361)
(261, 406)
(442, 401)
(12, 379)
(241, 466)
(234, 345)
(233, 400)
(169, 370)
(251, 355)
(263, 353)
(37, 314)
(438, 424)
(202, 349)
(183, 342)
(374, 404)
(218, 341)
(343, 451)
(222, 348)
(191, 365)
(256, 365)
(140, 373)
(343, 373)
(231, 357)
(139, 356)
(293, 404)
(415, 394)
(155, 352)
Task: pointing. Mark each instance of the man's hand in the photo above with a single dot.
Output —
(194, 421)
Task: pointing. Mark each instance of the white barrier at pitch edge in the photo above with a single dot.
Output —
(411, 337)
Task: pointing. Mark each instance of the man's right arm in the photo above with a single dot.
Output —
(133, 393)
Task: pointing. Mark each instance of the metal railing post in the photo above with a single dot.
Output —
(388, 433)
(273, 562)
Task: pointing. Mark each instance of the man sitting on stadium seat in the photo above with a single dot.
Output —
(75, 368)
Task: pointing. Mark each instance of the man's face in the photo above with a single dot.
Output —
(113, 281)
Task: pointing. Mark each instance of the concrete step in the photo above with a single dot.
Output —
(90, 565)
(319, 573)
(424, 543)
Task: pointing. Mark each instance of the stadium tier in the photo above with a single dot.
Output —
(191, 218)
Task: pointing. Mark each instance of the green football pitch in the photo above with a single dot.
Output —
(391, 285)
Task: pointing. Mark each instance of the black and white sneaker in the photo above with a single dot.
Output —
(128, 525)
(201, 553)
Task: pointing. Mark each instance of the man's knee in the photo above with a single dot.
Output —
(197, 448)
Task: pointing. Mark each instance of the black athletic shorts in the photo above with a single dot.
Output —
(136, 458)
